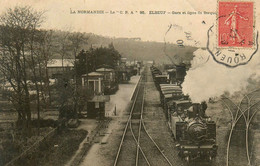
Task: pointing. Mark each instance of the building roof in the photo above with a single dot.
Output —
(121, 68)
(100, 98)
(92, 74)
(58, 63)
(171, 70)
(104, 69)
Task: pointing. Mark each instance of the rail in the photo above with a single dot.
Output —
(138, 138)
(239, 112)
(150, 137)
(128, 121)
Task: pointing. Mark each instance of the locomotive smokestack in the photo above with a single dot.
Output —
(196, 109)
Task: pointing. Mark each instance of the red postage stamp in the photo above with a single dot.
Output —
(235, 24)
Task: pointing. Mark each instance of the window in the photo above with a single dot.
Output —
(96, 104)
(94, 85)
(91, 85)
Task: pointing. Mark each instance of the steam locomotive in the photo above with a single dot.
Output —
(193, 130)
(195, 133)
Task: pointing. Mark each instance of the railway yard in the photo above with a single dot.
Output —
(141, 134)
(129, 87)
(141, 126)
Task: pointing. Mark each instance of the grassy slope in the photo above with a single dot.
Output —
(140, 50)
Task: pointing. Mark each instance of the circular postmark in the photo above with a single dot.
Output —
(233, 40)
(230, 57)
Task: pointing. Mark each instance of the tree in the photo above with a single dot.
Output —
(76, 41)
(107, 56)
(80, 63)
(44, 51)
(62, 45)
(18, 29)
(89, 61)
(39, 46)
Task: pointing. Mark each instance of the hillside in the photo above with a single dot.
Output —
(135, 49)
(142, 50)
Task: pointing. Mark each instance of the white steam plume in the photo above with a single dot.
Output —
(207, 78)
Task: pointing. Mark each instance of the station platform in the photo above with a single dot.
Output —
(97, 136)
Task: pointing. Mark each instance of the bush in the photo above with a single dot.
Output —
(44, 123)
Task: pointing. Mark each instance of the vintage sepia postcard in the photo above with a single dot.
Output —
(133, 82)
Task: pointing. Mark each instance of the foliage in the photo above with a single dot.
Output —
(89, 61)
(25, 50)
(18, 40)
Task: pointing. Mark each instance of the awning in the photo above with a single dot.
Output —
(100, 98)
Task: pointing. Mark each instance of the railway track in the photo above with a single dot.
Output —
(137, 147)
(242, 115)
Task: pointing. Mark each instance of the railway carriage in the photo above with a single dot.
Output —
(168, 95)
(170, 92)
(160, 79)
(155, 71)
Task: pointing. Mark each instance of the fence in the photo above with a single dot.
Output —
(33, 147)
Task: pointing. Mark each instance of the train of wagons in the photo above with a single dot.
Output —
(193, 130)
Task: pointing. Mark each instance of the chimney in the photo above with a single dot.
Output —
(196, 108)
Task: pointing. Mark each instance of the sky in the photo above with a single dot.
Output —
(189, 29)
(148, 27)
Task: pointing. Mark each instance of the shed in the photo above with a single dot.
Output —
(56, 67)
(96, 106)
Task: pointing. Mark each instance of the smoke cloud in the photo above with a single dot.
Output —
(207, 78)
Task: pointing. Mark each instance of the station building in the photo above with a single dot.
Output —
(94, 82)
